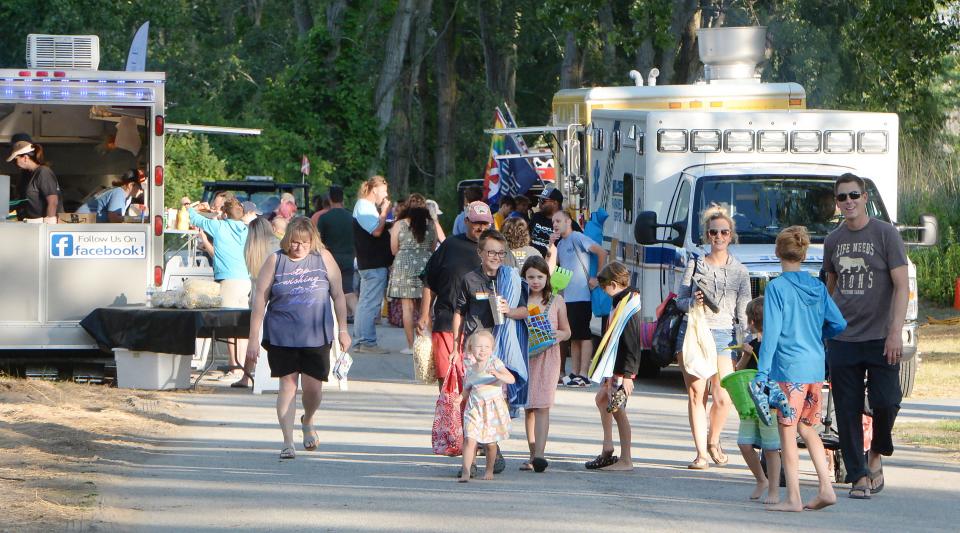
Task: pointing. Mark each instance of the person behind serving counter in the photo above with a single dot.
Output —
(111, 204)
(42, 190)
(229, 265)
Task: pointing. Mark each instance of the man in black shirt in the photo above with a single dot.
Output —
(541, 223)
(455, 257)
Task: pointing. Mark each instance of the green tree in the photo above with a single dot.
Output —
(189, 162)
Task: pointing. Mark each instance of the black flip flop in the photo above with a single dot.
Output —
(539, 464)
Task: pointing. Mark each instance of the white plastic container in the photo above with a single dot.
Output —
(151, 370)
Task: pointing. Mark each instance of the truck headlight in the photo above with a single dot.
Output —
(912, 305)
(872, 142)
(739, 141)
(672, 140)
(838, 142)
(705, 141)
(773, 141)
(805, 142)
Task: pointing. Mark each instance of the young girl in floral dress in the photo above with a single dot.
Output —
(486, 418)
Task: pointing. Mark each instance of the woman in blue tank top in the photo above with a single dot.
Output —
(292, 303)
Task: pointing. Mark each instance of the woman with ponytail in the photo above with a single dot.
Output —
(111, 204)
(42, 190)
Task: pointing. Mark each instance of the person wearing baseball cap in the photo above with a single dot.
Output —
(541, 223)
(250, 212)
(41, 189)
(111, 204)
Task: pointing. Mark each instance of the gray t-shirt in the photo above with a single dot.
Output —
(862, 261)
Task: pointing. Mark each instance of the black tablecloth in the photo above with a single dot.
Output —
(162, 330)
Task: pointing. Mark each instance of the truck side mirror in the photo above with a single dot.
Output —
(645, 230)
(929, 235)
(929, 231)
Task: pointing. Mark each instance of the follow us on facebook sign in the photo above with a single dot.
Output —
(98, 245)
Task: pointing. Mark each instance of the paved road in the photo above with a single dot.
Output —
(374, 472)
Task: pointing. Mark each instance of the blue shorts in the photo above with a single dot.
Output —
(759, 435)
(722, 337)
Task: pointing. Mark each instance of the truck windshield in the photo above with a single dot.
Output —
(763, 205)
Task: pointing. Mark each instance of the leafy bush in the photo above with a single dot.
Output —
(930, 184)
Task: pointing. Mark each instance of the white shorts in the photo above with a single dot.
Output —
(235, 293)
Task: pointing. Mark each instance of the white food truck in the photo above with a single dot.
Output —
(654, 157)
(93, 126)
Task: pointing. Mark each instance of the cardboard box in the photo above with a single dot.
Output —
(77, 218)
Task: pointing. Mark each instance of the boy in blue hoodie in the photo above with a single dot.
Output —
(798, 315)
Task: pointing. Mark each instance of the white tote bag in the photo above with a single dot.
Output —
(699, 348)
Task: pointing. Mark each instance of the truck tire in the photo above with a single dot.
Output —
(908, 373)
(648, 369)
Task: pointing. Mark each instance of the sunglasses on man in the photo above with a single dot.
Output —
(854, 195)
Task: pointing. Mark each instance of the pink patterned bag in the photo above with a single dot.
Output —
(448, 420)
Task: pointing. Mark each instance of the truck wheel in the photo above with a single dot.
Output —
(648, 369)
(908, 373)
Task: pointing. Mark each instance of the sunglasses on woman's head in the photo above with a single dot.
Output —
(715, 232)
(854, 195)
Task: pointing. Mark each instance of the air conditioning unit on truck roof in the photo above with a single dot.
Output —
(79, 52)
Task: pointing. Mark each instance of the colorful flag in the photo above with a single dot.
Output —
(305, 165)
(507, 177)
(491, 175)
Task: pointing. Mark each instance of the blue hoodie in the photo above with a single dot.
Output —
(229, 238)
(798, 315)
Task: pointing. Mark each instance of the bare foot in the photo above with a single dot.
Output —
(759, 489)
(619, 466)
(822, 500)
(787, 507)
(488, 475)
(527, 465)
(463, 479)
(772, 499)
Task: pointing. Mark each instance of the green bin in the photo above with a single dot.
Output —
(737, 385)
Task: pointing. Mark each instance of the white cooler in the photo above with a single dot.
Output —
(151, 370)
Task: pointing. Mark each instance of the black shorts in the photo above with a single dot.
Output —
(579, 314)
(346, 280)
(314, 362)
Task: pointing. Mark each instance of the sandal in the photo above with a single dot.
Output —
(310, 437)
(540, 464)
(288, 453)
(606, 458)
(716, 453)
(873, 477)
(859, 493)
(699, 464)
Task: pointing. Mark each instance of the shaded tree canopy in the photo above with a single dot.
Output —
(405, 87)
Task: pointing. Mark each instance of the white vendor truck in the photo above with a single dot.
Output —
(93, 126)
(654, 157)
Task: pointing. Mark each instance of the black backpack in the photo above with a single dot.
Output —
(664, 347)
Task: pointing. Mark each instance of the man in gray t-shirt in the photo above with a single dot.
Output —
(866, 266)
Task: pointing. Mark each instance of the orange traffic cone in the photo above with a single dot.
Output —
(956, 295)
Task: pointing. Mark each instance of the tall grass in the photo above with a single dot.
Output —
(930, 185)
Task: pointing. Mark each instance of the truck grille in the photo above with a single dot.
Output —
(758, 282)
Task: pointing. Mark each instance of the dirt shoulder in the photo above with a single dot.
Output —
(52, 435)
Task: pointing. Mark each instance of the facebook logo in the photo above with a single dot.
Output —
(61, 244)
